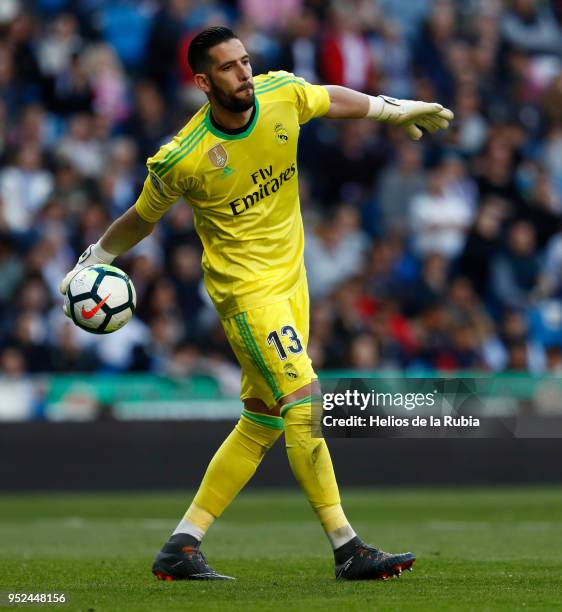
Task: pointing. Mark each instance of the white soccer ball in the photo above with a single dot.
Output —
(101, 299)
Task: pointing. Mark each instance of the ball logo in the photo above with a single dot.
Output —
(281, 134)
(88, 314)
(218, 156)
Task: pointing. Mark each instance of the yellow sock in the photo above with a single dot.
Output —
(235, 463)
(195, 522)
(311, 464)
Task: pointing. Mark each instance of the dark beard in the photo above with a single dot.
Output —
(231, 103)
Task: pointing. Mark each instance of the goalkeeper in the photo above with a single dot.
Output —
(235, 163)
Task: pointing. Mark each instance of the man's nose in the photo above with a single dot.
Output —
(244, 73)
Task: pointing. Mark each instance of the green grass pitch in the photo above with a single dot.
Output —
(478, 549)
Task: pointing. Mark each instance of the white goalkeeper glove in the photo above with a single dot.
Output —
(93, 255)
(410, 114)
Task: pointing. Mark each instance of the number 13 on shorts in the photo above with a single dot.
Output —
(270, 345)
(294, 346)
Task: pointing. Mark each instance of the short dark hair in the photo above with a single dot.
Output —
(197, 55)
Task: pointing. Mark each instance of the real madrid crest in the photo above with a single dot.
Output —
(281, 134)
(290, 371)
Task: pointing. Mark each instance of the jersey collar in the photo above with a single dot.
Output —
(225, 135)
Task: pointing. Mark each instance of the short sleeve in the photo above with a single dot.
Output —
(158, 193)
(312, 100)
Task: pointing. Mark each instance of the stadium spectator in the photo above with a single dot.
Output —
(121, 180)
(431, 50)
(166, 30)
(270, 14)
(66, 355)
(82, 148)
(344, 52)
(186, 276)
(482, 243)
(393, 60)
(333, 252)
(531, 28)
(148, 123)
(299, 46)
(515, 271)
(107, 80)
(550, 281)
(24, 188)
(397, 185)
(472, 126)
(364, 353)
(59, 45)
(440, 217)
(351, 163)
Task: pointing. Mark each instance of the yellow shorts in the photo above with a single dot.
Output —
(270, 345)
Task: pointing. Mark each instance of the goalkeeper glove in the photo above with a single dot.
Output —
(93, 255)
(410, 114)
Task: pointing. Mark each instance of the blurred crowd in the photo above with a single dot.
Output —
(440, 255)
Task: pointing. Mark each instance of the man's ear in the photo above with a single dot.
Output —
(202, 82)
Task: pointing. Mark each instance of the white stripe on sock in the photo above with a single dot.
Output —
(341, 536)
(185, 526)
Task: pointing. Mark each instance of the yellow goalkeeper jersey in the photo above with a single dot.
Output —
(244, 192)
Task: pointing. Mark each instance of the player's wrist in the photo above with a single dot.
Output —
(375, 107)
(383, 108)
(101, 254)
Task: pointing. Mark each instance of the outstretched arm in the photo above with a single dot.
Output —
(410, 114)
(346, 103)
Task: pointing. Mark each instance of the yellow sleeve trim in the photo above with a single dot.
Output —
(142, 213)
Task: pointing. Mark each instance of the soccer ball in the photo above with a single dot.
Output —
(100, 299)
